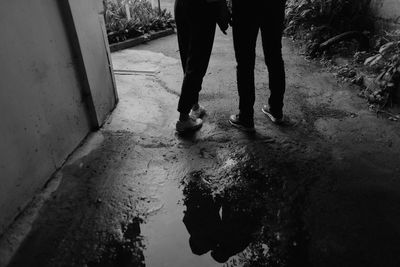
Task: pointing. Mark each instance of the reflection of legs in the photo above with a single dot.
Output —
(196, 37)
(237, 228)
(271, 32)
(245, 32)
(201, 218)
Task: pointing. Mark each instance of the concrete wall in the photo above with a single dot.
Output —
(46, 107)
(388, 11)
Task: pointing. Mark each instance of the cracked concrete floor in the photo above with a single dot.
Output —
(322, 190)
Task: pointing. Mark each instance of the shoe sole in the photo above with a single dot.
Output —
(272, 118)
(249, 130)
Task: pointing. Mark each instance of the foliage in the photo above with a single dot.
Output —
(343, 15)
(316, 21)
(387, 62)
(144, 19)
(323, 19)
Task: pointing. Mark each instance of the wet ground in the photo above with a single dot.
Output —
(323, 189)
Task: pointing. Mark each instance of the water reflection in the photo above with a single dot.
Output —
(222, 225)
(123, 253)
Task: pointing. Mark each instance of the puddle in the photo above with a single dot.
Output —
(125, 252)
(235, 214)
(165, 235)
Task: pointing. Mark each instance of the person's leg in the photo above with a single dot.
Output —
(272, 20)
(199, 34)
(183, 31)
(245, 31)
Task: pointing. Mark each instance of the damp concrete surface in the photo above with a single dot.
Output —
(323, 189)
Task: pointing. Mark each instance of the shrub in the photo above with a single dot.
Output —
(316, 21)
(339, 15)
(144, 19)
(387, 62)
(323, 19)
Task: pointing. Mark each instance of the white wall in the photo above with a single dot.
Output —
(89, 23)
(43, 112)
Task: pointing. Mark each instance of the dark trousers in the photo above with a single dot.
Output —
(249, 17)
(195, 23)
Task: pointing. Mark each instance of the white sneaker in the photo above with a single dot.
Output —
(274, 119)
(198, 113)
(192, 124)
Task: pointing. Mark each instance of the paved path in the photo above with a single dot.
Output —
(322, 190)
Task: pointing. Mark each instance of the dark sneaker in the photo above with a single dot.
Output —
(275, 119)
(235, 121)
(190, 125)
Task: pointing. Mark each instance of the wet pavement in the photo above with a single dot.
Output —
(320, 190)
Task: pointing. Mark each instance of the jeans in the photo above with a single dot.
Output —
(249, 17)
(195, 23)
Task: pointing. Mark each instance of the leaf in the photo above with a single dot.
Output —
(371, 61)
(306, 12)
(386, 48)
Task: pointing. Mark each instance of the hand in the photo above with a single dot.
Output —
(223, 16)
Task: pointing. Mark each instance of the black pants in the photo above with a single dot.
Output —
(249, 17)
(195, 22)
